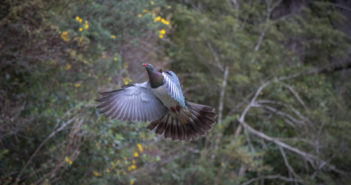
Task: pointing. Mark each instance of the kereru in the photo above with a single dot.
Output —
(160, 101)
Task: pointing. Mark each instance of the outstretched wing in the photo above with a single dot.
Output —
(173, 86)
(132, 103)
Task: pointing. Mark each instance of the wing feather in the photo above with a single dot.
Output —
(132, 103)
(126, 111)
(118, 110)
(133, 109)
(109, 110)
(173, 87)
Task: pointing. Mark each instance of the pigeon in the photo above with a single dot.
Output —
(159, 101)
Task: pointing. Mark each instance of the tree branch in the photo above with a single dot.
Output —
(311, 158)
(298, 98)
(325, 70)
(271, 177)
(291, 170)
(248, 107)
(41, 145)
(222, 93)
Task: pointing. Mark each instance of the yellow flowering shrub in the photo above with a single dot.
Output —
(164, 21)
(131, 167)
(68, 66)
(86, 25)
(68, 160)
(77, 85)
(156, 19)
(136, 154)
(95, 173)
(89, 54)
(127, 81)
(162, 33)
(78, 19)
(131, 181)
(64, 36)
(140, 147)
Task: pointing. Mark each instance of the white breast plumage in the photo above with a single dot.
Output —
(162, 94)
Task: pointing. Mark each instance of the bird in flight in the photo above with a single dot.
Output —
(160, 101)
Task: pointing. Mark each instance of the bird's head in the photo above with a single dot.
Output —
(155, 77)
(149, 67)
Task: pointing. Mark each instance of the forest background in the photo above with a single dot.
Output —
(277, 71)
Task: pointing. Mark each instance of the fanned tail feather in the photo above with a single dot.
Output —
(201, 119)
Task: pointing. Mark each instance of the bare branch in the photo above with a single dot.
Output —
(338, 66)
(271, 177)
(298, 98)
(248, 107)
(259, 41)
(266, 26)
(291, 170)
(284, 115)
(309, 157)
(341, 7)
(216, 57)
(236, 4)
(293, 139)
(221, 96)
(297, 113)
(249, 141)
(41, 145)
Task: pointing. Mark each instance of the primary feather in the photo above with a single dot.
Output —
(132, 103)
(172, 84)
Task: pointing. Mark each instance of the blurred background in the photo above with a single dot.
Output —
(277, 72)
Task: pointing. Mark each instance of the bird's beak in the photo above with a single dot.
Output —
(143, 64)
